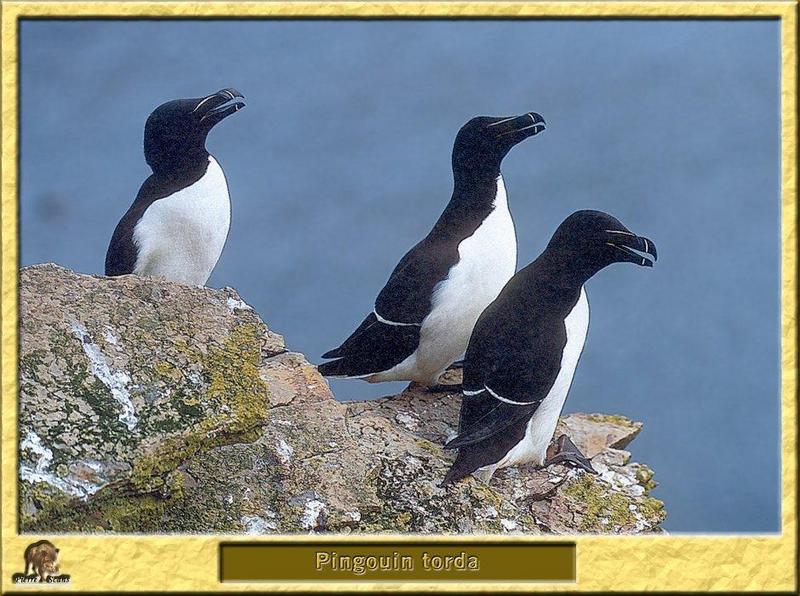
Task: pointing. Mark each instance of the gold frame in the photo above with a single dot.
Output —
(685, 563)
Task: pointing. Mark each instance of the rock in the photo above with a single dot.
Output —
(597, 432)
(149, 406)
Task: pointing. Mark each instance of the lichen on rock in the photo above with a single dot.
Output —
(148, 406)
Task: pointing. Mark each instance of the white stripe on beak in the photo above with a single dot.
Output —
(502, 134)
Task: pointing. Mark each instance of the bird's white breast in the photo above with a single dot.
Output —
(542, 425)
(180, 237)
(487, 260)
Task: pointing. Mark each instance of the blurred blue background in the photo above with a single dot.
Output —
(341, 162)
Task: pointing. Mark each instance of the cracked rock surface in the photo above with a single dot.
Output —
(149, 406)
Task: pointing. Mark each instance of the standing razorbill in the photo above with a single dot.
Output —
(525, 347)
(178, 224)
(424, 315)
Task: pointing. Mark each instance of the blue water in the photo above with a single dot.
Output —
(341, 162)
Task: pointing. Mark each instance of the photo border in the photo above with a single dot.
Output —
(604, 563)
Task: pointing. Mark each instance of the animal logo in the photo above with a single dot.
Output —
(41, 564)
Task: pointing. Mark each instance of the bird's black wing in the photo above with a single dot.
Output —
(389, 335)
(489, 427)
(406, 297)
(506, 375)
(122, 252)
(372, 348)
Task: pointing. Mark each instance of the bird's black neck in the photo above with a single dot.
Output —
(174, 159)
(557, 274)
(189, 168)
(472, 201)
(475, 185)
(164, 182)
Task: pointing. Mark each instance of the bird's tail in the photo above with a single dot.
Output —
(461, 468)
(372, 348)
(343, 367)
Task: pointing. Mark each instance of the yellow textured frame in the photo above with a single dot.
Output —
(605, 563)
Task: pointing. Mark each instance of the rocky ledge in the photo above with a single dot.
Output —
(148, 406)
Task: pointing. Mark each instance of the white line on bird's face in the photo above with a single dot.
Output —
(501, 121)
(202, 101)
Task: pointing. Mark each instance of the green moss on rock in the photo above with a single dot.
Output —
(237, 397)
(611, 419)
(653, 509)
(107, 511)
(240, 399)
(234, 378)
(644, 476)
(597, 504)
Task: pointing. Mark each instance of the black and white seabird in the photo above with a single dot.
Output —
(179, 222)
(523, 352)
(424, 315)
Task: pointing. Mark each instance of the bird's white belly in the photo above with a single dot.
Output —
(542, 425)
(180, 237)
(487, 260)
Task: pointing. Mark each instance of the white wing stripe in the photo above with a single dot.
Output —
(471, 393)
(508, 401)
(388, 322)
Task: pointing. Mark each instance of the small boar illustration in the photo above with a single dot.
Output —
(41, 558)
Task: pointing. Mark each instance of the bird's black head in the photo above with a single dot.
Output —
(587, 241)
(175, 133)
(484, 141)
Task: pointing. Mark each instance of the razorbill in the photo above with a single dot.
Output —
(423, 316)
(525, 347)
(178, 224)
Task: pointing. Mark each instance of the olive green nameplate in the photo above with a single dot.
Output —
(501, 561)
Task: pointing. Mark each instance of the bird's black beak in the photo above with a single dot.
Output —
(632, 248)
(219, 105)
(517, 128)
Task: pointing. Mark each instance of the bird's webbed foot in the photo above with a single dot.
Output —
(566, 453)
